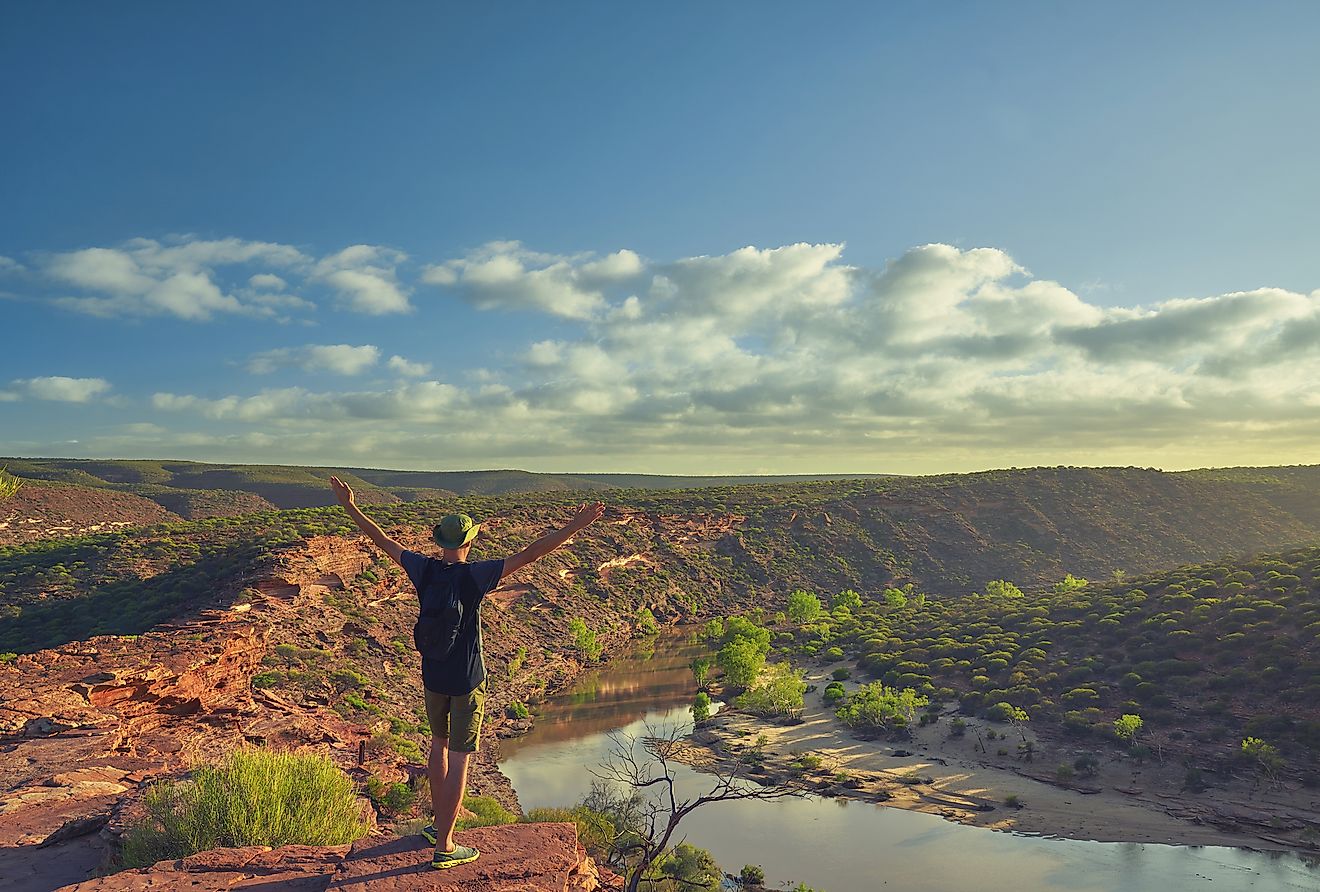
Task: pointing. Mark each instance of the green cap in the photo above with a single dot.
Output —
(455, 531)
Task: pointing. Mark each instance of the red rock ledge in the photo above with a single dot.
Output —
(522, 857)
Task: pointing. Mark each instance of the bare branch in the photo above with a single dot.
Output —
(641, 765)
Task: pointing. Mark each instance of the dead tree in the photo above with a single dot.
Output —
(655, 807)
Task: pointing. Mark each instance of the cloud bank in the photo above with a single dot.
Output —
(790, 358)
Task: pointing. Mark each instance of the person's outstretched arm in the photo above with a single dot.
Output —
(585, 517)
(344, 493)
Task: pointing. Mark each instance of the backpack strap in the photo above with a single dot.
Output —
(427, 570)
(467, 588)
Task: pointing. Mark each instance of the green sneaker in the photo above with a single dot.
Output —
(460, 855)
(429, 832)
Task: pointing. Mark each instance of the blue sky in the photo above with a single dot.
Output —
(689, 237)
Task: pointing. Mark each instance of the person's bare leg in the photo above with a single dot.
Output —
(437, 765)
(448, 799)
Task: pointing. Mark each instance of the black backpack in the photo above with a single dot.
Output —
(443, 612)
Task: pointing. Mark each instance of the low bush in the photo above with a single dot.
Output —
(251, 798)
(486, 812)
(751, 875)
(700, 707)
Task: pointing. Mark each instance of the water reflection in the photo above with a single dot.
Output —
(840, 846)
(654, 677)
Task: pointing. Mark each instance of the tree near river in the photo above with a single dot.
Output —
(646, 769)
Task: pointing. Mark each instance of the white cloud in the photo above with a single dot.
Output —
(58, 388)
(363, 276)
(145, 277)
(408, 368)
(268, 282)
(9, 265)
(342, 359)
(504, 275)
(197, 279)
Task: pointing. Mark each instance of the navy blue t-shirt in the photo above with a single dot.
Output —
(466, 667)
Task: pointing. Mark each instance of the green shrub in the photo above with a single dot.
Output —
(348, 679)
(487, 812)
(1000, 588)
(841, 673)
(741, 661)
(390, 799)
(807, 761)
(751, 875)
(778, 692)
(1126, 727)
(803, 607)
(646, 622)
(1069, 584)
(518, 710)
(700, 707)
(692, 868)
(700, 667)
(848, 598)
(400, 744)
(585, 639)
(9, 484)
(875, 707)
(251, 798)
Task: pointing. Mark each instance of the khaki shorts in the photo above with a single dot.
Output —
(457, 719)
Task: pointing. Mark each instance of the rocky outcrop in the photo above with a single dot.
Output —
(85, 727)
(524, 857)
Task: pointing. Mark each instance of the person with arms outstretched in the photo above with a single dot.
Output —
(448, 634)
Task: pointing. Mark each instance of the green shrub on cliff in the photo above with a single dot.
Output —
(486, 812)
(803, 607)
(584, 639)
(9, 484)
(250, 798)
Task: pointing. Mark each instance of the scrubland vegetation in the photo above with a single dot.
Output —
(1218, 661)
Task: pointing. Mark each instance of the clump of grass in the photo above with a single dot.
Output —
(486, 812)
(9, 484)
(252, 797)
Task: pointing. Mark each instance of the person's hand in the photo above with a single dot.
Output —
(586, 515)
(343, 492)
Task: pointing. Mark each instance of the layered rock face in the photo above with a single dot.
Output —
(84, 727)
(522, 857)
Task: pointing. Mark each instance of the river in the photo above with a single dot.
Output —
(834, 845)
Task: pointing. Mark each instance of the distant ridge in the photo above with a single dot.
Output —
(196, 489)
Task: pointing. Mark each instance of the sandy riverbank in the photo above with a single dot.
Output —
(949, 776)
